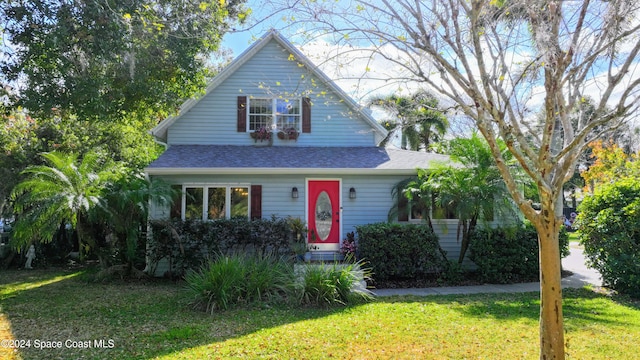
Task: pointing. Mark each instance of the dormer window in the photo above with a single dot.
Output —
(278, 114)
(271, 114)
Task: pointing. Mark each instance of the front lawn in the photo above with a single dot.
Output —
(149, 320)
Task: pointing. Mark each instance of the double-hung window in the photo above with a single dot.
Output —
(215, 201)
(280, 114)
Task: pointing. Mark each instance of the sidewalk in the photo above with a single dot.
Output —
(575, 263)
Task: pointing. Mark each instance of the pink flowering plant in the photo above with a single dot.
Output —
(261, 134)
(289, 133)
(348, 247)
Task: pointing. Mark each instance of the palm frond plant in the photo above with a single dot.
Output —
(417, 119)
(472, 191)
(64, 191)
(126, 209)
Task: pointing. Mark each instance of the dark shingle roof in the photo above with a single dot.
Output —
(285, 158)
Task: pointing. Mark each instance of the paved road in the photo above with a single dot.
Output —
(582, 275)
(575, 263)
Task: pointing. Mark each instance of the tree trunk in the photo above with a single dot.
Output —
(551, 318)
(467, 230)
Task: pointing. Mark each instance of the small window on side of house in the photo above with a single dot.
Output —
(418, 211)
(441, 212)
(411, 210)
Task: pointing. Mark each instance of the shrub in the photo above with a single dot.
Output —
(509, 254)
(238, 279)
(332, 284)
(609, 229)
(405, 251)
(188, 244)
(453, 274)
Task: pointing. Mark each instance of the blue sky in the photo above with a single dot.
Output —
(350, 75)
(262, 14)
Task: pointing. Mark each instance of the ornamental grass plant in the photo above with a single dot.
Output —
(331, 284)
(236, 279)
(240, 279)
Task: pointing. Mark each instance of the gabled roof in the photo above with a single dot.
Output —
(228, 159)
(160, 131)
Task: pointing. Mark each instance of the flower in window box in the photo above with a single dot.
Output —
(261, 134)
(288, 134)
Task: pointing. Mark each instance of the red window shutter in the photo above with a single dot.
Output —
(306, 115)
(242, 114)
(256, 202)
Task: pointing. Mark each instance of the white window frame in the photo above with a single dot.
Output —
(275, 115)
(411, 218)
(205, 197)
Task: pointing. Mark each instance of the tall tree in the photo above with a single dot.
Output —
(500, 62)
(417, 118)
(108, 59)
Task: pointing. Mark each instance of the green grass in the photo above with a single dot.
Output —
(150, 320)
(574, 238)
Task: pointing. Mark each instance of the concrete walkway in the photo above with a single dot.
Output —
(575, 263)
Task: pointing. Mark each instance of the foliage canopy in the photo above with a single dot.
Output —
(111, 59)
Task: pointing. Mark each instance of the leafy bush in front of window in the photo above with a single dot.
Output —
(188, 244)
(509, 254)
(403, 251)
(609, 229)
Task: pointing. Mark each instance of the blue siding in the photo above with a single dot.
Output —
(372, 203)
(270, 73)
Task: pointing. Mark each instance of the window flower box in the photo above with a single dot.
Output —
(262, 134)
(288, 134)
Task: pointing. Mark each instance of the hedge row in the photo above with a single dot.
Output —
(187, 244)
(508, 255)
(394, 251)
(400, 251)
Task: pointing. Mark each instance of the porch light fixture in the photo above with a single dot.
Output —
(294, 193)
(352, 193)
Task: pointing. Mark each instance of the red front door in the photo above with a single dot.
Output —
(323, 214)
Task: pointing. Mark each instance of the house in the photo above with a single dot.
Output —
(274, 136)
